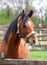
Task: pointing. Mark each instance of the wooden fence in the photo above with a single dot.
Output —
(3, 30)
(22, 62)
(37, 29)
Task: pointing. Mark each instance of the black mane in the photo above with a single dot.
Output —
(13, 26)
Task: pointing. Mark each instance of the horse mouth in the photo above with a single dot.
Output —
(31, 42)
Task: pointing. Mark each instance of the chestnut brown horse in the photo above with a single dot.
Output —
(19, 34)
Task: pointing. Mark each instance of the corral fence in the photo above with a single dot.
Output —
(3, 30)
(41, 34)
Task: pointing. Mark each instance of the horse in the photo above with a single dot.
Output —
(20, 32)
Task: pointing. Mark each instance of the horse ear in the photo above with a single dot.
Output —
(30, 13)
(22, 14)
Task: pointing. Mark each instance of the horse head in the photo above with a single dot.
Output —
(25, 27)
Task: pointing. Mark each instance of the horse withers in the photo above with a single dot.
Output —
(19, 33)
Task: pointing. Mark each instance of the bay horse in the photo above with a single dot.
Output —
(19, 33)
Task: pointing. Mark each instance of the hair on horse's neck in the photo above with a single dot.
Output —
(14, 42)
(16, 39)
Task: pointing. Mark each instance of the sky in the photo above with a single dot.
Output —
(39, 3)
(36, 3)
(40, 6)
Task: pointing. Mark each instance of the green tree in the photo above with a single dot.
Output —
(8, 10)
(45, 17)
(36, 19)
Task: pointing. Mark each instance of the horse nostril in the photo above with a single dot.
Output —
(34, 41)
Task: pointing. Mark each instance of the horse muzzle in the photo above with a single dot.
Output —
(32, 42)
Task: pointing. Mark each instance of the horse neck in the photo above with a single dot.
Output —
(10, 39)
(13, 39)
(22, 40)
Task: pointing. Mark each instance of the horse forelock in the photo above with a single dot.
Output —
(24, 19)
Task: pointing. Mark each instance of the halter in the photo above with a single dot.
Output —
(21, 34)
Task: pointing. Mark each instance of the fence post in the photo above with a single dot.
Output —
(40, 34)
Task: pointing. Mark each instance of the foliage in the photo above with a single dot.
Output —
(45, 21)
(5, 19)
(7, 16)
(36, 20)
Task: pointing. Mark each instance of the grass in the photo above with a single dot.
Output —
(1, 38)
(39, 55)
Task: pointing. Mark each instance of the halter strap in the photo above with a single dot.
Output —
(30, 34)
(18, 25)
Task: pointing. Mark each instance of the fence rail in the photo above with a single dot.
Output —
(22, 62)
(3, 30)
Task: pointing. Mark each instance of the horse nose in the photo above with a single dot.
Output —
(32, 42)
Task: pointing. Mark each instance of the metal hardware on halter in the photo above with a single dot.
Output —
(30, 34)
